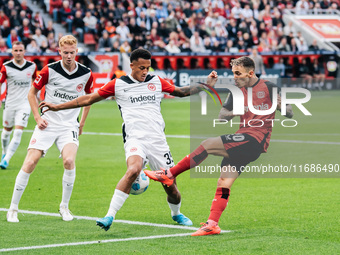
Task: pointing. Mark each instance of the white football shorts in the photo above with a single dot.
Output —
(44, 139)
(16, 116)
(156, 152)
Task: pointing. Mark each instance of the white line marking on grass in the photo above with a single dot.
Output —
(101, 241)
(310, 142)
(202, 137)
(115, 221)
(304, 134)
(92, 242)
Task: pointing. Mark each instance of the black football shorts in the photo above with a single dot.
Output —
(242, 149)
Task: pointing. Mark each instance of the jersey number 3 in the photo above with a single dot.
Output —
(168, 158)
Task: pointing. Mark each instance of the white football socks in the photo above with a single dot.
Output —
(5, 138)
(19, 188)
(14, 144)
(68, 182)
(117, 201)
(175, 209)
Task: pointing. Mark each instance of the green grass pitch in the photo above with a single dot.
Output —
(264, 215)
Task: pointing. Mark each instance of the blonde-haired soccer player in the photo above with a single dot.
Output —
(64, 80)
(19, 74)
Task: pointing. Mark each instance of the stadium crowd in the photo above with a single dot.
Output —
(160, 26)
(169, 26)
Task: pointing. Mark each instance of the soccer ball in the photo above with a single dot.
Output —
(140, 184)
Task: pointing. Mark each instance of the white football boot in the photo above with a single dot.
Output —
(12, 216)
(65, 213)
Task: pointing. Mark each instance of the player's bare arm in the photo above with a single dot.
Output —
(289, 109)
(190, 90)
(225, 114)
(33, 100)
(85, 100)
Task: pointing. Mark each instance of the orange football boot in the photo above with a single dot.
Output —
(207, 229)
(159, 176)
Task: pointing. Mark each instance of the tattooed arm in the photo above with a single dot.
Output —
(190, 90)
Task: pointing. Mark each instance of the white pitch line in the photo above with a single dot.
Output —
(198, 137)
(310, 142)
(101, 241)
(115, 221)
(92, 242)
(304, 134)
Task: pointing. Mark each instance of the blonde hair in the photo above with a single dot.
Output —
(18, 43)
(67, 39)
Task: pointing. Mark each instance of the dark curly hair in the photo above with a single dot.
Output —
(139, 53)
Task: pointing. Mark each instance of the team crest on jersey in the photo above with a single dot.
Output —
(260, 94)
(80, 87)
(151, 87)
(33, 141)
(28, 74)
(133, 149)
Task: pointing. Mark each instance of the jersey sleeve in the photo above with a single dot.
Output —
(270, 87)
(42, 79)
(89, 84)
(228, 103)
(3, 74)
(108, 89)
(166, 86)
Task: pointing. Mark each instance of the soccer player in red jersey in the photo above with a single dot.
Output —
(238, 149)
(138, 96)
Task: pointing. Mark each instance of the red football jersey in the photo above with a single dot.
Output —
(258, 126)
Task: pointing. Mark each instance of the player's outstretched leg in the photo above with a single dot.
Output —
(160, 176)
(190, 161)
(105, 223)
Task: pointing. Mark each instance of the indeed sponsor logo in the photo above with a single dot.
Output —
(64, 95)
(22, 83)
(143, 99)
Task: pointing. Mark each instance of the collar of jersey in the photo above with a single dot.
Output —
(68, 72)
(134, 80)
(19, 65)
(257, 82)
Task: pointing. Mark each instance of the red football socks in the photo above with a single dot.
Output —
(218, 205)
(190, 161)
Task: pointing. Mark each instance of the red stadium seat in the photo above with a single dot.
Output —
(89, 39)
